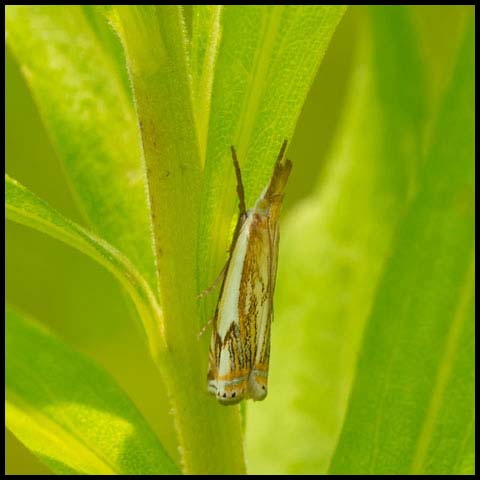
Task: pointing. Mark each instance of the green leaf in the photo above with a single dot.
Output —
(75, 80)
(266, 62)
(24, 207)
(204, 44)
(412, 405)
(154, 39)
(69, 412)
(332, 250)
(107, 39)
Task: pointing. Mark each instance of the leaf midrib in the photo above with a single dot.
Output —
(444, 370)
(259, 72)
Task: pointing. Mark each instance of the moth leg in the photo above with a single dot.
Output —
(215, 282)
(204, 328)
(240, 190)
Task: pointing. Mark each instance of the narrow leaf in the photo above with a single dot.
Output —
(89, 115)
(412, 405)
(267, 59)
(204, 44)
(24, 207)
(69, 412)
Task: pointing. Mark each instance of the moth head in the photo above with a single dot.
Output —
(257, 385)
(229, 393)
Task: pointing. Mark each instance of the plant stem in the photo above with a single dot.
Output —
(210, 439)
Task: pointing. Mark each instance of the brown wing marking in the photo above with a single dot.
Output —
(254, 289)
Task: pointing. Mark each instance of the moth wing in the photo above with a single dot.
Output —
(226, 359)
(254, 305)
(274, 232)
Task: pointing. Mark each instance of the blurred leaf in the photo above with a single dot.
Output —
(90, 307)
(90, 118)
(20, 460)
(154, 39)
(69, 412)
(412, 405)
(267, 59)
(333, 248)
(24, 207)
(440, 31)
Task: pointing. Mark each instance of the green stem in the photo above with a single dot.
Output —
(209, 435)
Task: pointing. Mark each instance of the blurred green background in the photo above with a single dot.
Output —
(79, 300)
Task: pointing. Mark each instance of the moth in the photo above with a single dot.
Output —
(240, 343)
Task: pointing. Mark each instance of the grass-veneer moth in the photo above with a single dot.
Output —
(240, 342)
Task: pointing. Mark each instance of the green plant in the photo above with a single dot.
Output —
(375, 283)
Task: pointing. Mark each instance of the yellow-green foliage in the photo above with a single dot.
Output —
(119, 126)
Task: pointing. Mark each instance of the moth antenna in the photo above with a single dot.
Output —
(282, 151)
(240, 191)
